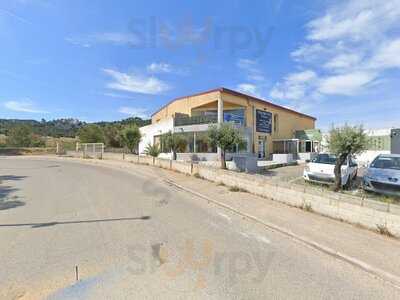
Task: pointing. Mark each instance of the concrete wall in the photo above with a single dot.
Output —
(282, 158)
(345, 207)
(197, 156)
(148, 132)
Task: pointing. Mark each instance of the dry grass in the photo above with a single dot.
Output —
(382, 229)
(237, 189)
(307, 207)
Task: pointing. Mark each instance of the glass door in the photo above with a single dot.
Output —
(261, 148)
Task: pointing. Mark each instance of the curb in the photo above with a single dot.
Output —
(376, 272)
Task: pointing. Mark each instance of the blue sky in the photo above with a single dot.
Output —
(107, 60)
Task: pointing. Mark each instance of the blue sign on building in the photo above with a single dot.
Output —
(234, 115)
(263, 121)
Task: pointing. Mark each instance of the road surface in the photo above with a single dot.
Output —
(133, 236)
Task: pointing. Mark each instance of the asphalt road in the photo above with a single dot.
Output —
(132, 236)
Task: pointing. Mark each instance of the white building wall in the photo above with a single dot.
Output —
(366, 157)
(148, 132)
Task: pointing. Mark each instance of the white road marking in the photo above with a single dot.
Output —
(259, 238)
(226, 217)
(262, 239)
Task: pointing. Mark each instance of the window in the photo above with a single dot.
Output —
(276, 122)
(386, 162)
(202, 143)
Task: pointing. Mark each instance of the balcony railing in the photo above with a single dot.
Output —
(195, 120)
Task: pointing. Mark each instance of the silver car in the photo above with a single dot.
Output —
(383, 175)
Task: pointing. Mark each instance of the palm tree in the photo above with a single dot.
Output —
(152, 150)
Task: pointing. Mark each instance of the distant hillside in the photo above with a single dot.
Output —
(62, 127)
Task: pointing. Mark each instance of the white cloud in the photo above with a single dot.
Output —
(301, 77)
(307, 51)
(355, 20)
(134, 111)
(294, 86)
(115, 38)
(159, 68)
(251, 69)
(343, 62)
(388, 55)
(113, 95)
(255, 80)
(248, 88)
(347, 84)
(136, 83)
(14, 16)
(26, 106)
(350, 46)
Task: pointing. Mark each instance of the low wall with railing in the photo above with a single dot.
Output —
(356, 210)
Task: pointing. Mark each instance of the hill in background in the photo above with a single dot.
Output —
(63, 127)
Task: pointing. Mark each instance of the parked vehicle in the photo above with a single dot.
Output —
(383, 175)
(321, 169)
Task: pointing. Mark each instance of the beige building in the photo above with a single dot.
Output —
(268, 128)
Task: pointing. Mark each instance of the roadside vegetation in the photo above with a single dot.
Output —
(66, 132)
(152, 150)
(174, 143)
(23, 136)
(226, 137)
(343, 142)
(130, 138)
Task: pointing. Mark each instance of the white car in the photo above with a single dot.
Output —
(321, 170)
(383, 175)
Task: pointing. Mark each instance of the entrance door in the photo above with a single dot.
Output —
(261, 148)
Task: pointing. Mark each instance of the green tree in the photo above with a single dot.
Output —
(112, 136)
(152, 150)
(20, 136)
(174, 143)
(37, 141)
(344, 142)
(91, 134)
(226, 137)
(130, 137)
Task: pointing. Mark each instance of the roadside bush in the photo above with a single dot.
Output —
(130, 137)
(91, 134)
(22, 136)
(152, 150)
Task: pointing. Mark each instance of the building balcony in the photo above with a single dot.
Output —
(195, 120)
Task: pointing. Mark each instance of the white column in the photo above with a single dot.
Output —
(220, 110)
(220, 119)
(194, 143)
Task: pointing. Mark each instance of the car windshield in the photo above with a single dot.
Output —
(382, 162)
(325, 159)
